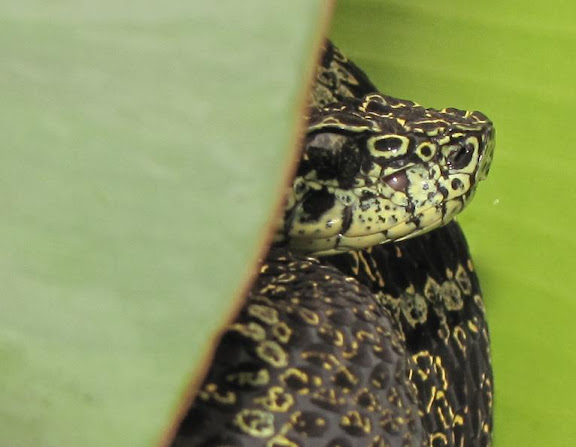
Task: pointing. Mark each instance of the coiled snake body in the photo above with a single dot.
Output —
(385, 342)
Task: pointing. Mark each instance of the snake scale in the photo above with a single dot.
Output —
(384, 343)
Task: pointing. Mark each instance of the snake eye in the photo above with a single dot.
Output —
(460, 156)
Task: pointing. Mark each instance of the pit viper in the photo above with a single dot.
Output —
(365, 325)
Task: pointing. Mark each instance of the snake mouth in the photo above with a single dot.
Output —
(324, 217)
(427, 220)
(375, 220)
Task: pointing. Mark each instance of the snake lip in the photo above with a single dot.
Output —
(440, 219)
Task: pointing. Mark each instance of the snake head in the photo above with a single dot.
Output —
(380, 169)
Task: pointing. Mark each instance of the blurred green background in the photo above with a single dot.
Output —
(515, 61)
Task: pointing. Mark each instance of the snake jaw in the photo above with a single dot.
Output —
(380, 169)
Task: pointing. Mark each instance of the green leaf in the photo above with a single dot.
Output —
(515, 62)
(143, 145)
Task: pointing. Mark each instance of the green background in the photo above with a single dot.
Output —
(144, 143)
(515, 61)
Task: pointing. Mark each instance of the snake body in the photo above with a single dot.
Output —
(385, 342)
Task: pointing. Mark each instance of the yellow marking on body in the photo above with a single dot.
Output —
(435, 436)
(463, 280)
(452, 296)
(347, 375)
(424, 355)
(432, 399)
(210, 392)
(328, 395)
(367, 269)
(414, 307)
(441, 371)
(351, 351)
(368, 399)
(282, 332)
(337, 337)
(250, 330)
(472, 327)
(272, 353)
(285, 278)
(268, 288)
(445, 418)
(478, 301)
(277, 400)
(296, 301)
(459, 335)
(256, 423)
(262, 299)
(281, 441)
(356, 264)
(257, 378)
(394, 398)
(432, 289)
(308, 316)
(363, 336)
(265, 314)
(353, 419)
(300, 376)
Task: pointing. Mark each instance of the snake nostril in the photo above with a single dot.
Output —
(460, 157)
(397, 181)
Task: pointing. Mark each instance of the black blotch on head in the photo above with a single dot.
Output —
(316, 203)
(349, 161)
(442, 190)
(457, 184)
(332, 156)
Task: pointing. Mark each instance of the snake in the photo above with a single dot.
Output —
(365, 325)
